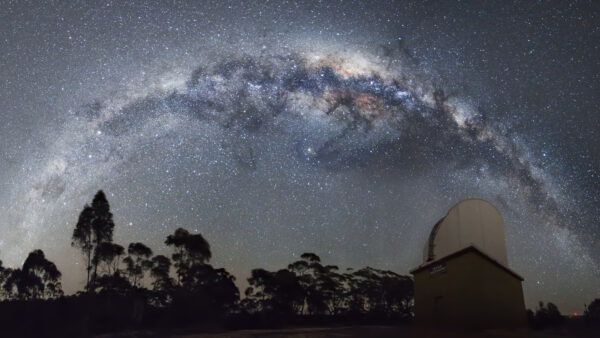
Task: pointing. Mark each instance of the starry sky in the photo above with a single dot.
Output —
(274, 128)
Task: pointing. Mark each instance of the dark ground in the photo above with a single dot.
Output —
(374, 331)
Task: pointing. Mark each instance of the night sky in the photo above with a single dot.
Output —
(342, 128)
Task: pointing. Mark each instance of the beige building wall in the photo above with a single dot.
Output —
(468, 290)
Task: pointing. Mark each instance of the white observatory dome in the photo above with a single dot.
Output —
(471, 222)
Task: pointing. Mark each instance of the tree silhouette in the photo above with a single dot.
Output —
(308, 271)
(190, 250)
(102, 225)
(138, 262)
(3, 275)
(38, 278)
(108, 256)
(322, 285)
(201, 289)
(592, 312)
(163, 284)
(259, 293)
(114, 284)
(94, 227)
(310, 257)
(384, 292)
(82, 239)
(279, 291)
(546, 315)
(37, 265)
(330, 285)
(307, 291)
(161, 265)
(214, 288)
(116, 296)
(308, 287)
(19, 285)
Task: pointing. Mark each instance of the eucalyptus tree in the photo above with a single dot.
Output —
(137, 262)
(37, 278)
(190, 250)
(94, 227)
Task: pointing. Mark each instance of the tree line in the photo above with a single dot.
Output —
(184, 289)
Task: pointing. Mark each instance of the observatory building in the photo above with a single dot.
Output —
(464, 280)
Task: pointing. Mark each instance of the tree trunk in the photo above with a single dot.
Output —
(89, 263)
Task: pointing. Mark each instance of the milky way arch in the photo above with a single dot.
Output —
(288, 118)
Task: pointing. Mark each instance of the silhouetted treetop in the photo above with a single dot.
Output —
(94, 227)
(137, 262)
(82, 234)
(38, 278)
(194, 246)
(546, 315)
(307, 287)
(36, 262)
(108, 256)
(161, 266)
(139, 249)
(102, 223)
(311, 257)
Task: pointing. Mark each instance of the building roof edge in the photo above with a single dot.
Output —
(470, 248)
